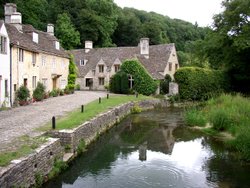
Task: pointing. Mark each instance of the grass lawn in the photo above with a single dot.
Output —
(26, 145)
(76, 118)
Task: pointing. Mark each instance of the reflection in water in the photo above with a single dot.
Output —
(147, 150)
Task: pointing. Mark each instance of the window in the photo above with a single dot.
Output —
(57, 45)
(101, 68)
(43, 60)
(21, 55)
(45, 82)
(33, 82)
(3, 45)
(33, 59)
(25, 82)
(6, 88)
(82, 62)
(176, 66)
(170, 67)
(15, 87)
(117, 68)
(101, 81)
(63, 83)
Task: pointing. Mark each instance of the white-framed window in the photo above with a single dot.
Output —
(45, 82)
(33, 59)
(3, 45)
(117, 68)
(43, 60)
(21, 55)
(101, 81)
(170, 66)
(101, 68)
(57, 45)
(53, 63)
(33, 82)
(82, 62)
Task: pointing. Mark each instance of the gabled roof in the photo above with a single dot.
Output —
(155, 64)
(46, 42)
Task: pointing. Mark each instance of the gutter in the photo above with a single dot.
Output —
(11, 104)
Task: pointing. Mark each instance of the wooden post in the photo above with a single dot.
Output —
(53, 122)
(100, 100)
(82, 109)
(107, 96)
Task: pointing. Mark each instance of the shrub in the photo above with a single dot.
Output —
(58, 167)
(53, 93)
(77, 87)
(136, 109)
(72, 74)
(66, 90)
(143, 82)
(23, 93)
(164, 84)
(39, 92)
(199, 83)
(119, 83)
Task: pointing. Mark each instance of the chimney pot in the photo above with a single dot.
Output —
(50, 29)
(88, 45)
(144, 46)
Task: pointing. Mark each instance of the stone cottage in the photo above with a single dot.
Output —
(35, 55)
(97, 65)
(4, 66)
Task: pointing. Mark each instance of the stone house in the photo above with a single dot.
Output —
(97, 65)
(4, 66)
(35, 55)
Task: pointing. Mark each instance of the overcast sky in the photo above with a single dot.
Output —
(201, 11)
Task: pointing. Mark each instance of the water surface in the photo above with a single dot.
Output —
(147, 150)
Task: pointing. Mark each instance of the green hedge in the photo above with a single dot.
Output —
(199, 83)
(143, 82)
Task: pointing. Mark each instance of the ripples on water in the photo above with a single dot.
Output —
(146, 150)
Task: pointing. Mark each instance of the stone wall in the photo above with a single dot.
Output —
(22, 172)
(99, 124)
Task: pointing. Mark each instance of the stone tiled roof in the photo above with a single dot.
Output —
(1, 23)
(46, 42)
(155, 64)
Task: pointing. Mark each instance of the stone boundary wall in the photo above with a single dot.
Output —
(23, 172)
(91, 129)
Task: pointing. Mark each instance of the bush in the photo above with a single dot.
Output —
(77, 87)
(143, 82)
(194, 117)
(23, 93)
(53, 93)
(39, 92)
(199, 83)
(136, 109)
(164, 84)
(119, 83)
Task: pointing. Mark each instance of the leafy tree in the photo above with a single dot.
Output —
(72, 74)
(66, 32)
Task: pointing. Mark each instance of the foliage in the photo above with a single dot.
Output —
(58, 167)
(76, 118)
(143, 82)
(231, 114)
(72, 74)
(66, 32)
(77, 87)
(194, 117)
(119, 83)
(39, 92)
(199, 84)
(53, 93)
(164, 84)
(38, 179)
(81, 147)
(23, 93)
(136, 109)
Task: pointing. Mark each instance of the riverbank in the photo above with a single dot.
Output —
(229, 119)
(69, 144)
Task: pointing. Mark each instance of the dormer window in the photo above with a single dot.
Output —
(101, 68)
(57, 45)
(35, 37)
(82, 62)
(117, 68)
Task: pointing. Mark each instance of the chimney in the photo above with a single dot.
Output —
(144, 47)
(12, 16)
(88, 46)
(50, 29)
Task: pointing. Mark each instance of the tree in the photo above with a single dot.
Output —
(66, 32)
(72, 74)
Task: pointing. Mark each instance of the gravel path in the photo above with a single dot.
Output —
(25, 119)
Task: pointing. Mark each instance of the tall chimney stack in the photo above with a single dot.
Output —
(12, 16)
(50, 29)
(144, 46)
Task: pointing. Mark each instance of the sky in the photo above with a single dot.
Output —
(200, 11)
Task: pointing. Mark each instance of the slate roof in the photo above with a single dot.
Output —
(1, 23)
(155, 64)
(24, 40)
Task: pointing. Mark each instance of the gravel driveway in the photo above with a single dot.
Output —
(25, 119)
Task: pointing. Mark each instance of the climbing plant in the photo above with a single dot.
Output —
(72, 74)
(119, 83)
(143, 82)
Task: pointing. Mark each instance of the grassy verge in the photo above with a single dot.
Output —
(227, 113)
(26, 145)
(76, 118)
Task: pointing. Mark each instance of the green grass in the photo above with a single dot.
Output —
(26, 146)
(76, 118)
(194, 117)
(228, 113)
